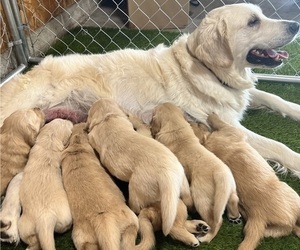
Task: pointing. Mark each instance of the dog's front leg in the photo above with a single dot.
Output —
(274, 150)
(285, 108)
(10, 211)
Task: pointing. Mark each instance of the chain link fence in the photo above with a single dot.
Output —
(31, 28)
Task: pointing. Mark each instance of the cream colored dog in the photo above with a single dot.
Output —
(45, 207)
(11, 211)
(183, 229)
(18, 134)
(211, 181)
(270, 207)
(153, 172)
(101, 218)
(203, 72)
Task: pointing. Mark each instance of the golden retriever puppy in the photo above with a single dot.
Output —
(153, 172)
(211, 181)
(270, 207)
(101, 218)
(11, 211)
(182, 230)
(18, 134)
(45, 207)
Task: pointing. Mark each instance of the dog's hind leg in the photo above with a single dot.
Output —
(179, 230)
(129, 227)
(27, 233)
(253, 231)
(110, 238)
(45, 231)
(233, 212)
(185, 194)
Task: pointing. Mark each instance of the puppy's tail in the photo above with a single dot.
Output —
(147, 218)
(45, 231)
(222, 193)
(169, 187)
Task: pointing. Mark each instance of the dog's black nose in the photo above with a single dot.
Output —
(294, 27)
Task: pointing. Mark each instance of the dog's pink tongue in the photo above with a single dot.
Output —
(277, 54)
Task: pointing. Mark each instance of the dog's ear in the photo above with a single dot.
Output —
(209, 43)
(155, 126)
(34, 120)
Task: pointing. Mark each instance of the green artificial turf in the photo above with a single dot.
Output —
(264, 122)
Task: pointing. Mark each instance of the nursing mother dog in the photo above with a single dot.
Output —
(203, 72)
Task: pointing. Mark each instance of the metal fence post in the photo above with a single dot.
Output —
(16, 38)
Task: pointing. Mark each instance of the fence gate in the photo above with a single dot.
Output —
(30, 28)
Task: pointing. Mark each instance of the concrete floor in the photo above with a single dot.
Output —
(278, 9)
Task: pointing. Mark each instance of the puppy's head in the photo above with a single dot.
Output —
(100, 110)
(25, 122)
(201, 131)
(167, 116)
(79, 134)
(242, 35)
(57, 131)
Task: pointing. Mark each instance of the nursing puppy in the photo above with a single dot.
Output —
(211, 181)
(101, 218)
(44, 202)
(270, 207)
(153, 172)
(18, 134)
(11, 211)
(182, 230)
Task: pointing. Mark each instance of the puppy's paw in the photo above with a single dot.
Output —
(202, 229)
(9, 231)
(237, 220)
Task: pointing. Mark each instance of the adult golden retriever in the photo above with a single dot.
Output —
(204, 72)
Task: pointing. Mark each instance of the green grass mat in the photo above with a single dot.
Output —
(264, 122)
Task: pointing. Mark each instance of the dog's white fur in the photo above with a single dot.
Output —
(101, 218)
(153, 172)
(11, 211)
(211, 181)
(18, 134)
(270, 207)
(139, 80)
(44, 202)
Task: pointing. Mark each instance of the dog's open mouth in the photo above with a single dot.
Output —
(266, 57)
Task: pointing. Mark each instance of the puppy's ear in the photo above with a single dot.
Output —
(155, 126)
(210, 44)
(34, 120)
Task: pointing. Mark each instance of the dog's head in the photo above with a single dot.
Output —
(241, 35)
(167, 116)
(101, 109)
(25, 122)
(56, 133)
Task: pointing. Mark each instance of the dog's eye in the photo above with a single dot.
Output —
(253, 22)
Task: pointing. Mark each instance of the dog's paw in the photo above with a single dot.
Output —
(202, 229)
(9, 232)
(237, 220)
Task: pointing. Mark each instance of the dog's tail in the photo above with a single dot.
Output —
(149, 220)
(222, 193)
(45, 231)
(169, 186)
